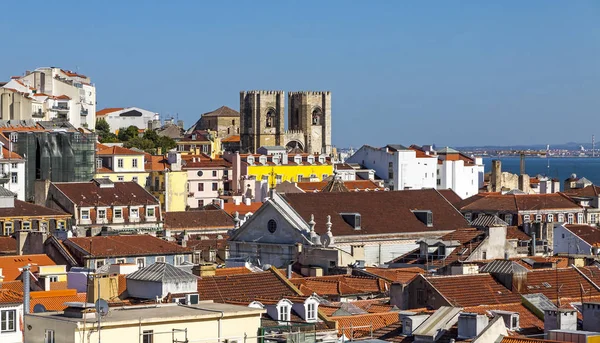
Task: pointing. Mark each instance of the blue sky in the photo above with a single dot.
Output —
(445, 72)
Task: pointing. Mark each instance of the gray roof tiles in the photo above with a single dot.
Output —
(162, 272)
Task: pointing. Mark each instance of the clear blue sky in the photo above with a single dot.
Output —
(445, 72)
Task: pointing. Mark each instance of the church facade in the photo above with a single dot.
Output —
(262, 121)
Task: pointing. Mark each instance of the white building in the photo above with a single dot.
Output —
(124, 117)
(12, 172)
(51, 93)
(576, 239)
(462, 174)
(400, 167)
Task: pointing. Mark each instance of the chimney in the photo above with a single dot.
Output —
(247, 201)
(289, 271)
(561, 319)
(496, 177)
(26, 289)
(22, 236)
(471, 324)
(206, 269)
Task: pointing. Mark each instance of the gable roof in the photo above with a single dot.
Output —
(90, 194)
(362, 325)
(105, 111)
(8, 296)
(590, 234)
(11, 265)
(222, 111)
(26, 209)
(162, 272)
(483, 290)
(561, 282)
(246, 287)
(198, 219)
(588, 191)
(339, 285)
(241, 208)
(126, 245)
(401, 275)
(118, 150)
(8, 245)
(341, 186)
(381, 212)
(516, 202)
(451, 196)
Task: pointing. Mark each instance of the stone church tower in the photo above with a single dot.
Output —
(309, 121)
(310, 112)
(261, 119)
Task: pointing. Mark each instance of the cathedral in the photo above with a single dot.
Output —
(262, 121)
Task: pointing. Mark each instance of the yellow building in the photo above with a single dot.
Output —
(199, 141)
(276, 174)
(121, 164)
(161, 323)
(167, 182)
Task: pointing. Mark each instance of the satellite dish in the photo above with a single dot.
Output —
(39, 308)
(101, 307)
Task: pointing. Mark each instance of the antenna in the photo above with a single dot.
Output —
(39, 308)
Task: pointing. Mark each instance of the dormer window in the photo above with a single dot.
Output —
(425, 216)
(284, 312)
(353, 219)
(311, 311)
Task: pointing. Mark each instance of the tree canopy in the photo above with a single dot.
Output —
(149, 142)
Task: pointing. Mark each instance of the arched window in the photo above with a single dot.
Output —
(317, 113)
(270, 118)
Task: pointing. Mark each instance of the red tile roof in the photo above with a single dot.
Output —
(357, 185)
(339, 285)
(232, 271)
(513, 232)
(117, 150)
(8, 245)
(217, 163)
(451, 196)
(563, 282)
(231, 139)
(508, 339)
(590, 234)
(242, 208)
(381, 212)
(517, 202)
(402, 275)
(8, 296)
(11, 265)
(246, 287)
(26, 209)
(55, 300)
(117, 246)
(155, 163)
(362, 325)
(527, 320)
(106, 111)
(10, 154)
(89, 194)
(483, 290)
(222, 111)
(198, 220)
(588, 191)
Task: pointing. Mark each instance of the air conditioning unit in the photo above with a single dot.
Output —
(192, 299)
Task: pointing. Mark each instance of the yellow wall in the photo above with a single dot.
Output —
(60, 271)
(290, 172)
(127, 176)
(176, 191)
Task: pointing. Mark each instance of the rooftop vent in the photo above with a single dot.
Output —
(425, 216)
(353, 219)
(104, 183)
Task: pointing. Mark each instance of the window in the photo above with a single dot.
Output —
(60, 225)
(118, 213)
(8, 321)
(85, 214)
(101, 214)
(439, 182)
(53, 278)
(141, 262)
(99, 263)
(561, 218)
(14, 165)
(593, 218)
(279, 178)
(14, 178)
(120, 178)
(8, 228)
(120, 163)
(514, 322)
(120, 261)
(484, 255)
(580, 218)
(159, 259)
(526, 218)
(134, 179)
(49, 336)
(134, 163)
(150, 212)
(200, 203)
(215, 186)
(468, 216)
(284, 311)
(508, 218)
(200, 187)
(26, 225)
(214, 173)
(390, 170)
(310, 311)
(550, 218)
(134, 213)
(200, 173)
(98, 163)
(148, 336)
(300, 178)
(570, 218)
(538, 218)
(179, 259)
(272, 226)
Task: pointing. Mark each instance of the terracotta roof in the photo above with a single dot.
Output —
(242, 208)
(483, 290)
(246, 287)
(89, 194)
(117, 150)
(117, 246)
(72, 73)
(570, 283)
(509, 339)
(528, 321)
(334, 285)
(62, 97)
(199, 219)
(8, 245)
(588, 191)
(26, 209)
(106, 111)
(222, 111)
(590, 234)
(231, 139)
(55, 300)
(516, 202)
(451, 196)
(155, 163)
(16, 286)
(513, 232)
(217, 163)
(11, 264)
(232, 271)
(381, 212)
(8, 296)
(559, 262)
(362, 325)
(402, 275)
(10, 154)
(357, 185)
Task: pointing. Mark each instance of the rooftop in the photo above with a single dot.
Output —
(117, 246)
(118, 150)
(590, 234)
(516, 202)
(198, 220)
(162, 272)
(90, 194)
(11, 265)
(483, 290)
(339, 285)
(222, 111)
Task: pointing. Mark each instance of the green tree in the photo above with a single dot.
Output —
(128, 133)
(140, 143)
(165, 143)
(103, 132)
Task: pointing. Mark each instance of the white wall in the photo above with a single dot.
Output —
(567, 242)
(463, 180)
(19, 186)
(116, 121)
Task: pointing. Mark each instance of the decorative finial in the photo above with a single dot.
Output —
(328, 223)
(236, 219)
(312, 222)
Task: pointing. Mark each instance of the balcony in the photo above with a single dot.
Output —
(60, 108)
(38, 114)
(4, 178)
(84, 112)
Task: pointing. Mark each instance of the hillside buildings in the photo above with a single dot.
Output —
(119, 117)
(48, 94)
(224, 121)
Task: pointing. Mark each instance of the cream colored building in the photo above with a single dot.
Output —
(206, 322)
